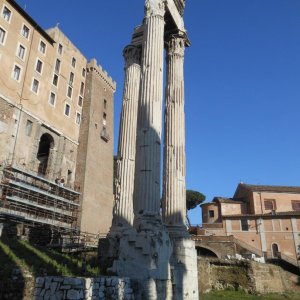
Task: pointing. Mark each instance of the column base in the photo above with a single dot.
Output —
(109, 247)
(144, 255)
(184, 266)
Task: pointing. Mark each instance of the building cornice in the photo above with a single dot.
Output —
(30, 20)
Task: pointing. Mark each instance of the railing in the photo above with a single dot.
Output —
(32, 169)
(289, 259)
(213, 238)
(249, 247)
(208, 225)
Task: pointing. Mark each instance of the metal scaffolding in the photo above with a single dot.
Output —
(33, 200)
(36, 199)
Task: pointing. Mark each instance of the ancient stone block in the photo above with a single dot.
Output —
(39, 282)
(73, 295)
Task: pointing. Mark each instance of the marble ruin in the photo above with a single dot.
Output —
(148, 241)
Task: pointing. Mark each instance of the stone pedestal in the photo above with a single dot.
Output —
(184, 266)
(144, 257)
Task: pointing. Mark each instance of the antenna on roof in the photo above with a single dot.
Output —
(25, 6)
(57, 24)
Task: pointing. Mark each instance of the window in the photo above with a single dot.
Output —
(105, 104)
(2, 36)
(83, 72)
(28, 127)
(80, 101)
(69, 176)
(71, 79)
(70, 90)
(39, 66)
(296, 205)
(21, 52)
(16, 73)
(57, 66)
(211, 213)
(82, 88)
(78, 118)
(6, 14)
(35, 86)
(55, 80)
(42, 47)
(60, 49)
(25, 31)
(104, 134)
(67, 110)
(245, 225)
(52, 99)
(104, 119)
(73, 62)
(269, 204)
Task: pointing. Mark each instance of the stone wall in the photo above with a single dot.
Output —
(58, 288)
(249, 276)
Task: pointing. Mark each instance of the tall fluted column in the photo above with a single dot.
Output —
(174, 194)
(124, 182)
(147, 176)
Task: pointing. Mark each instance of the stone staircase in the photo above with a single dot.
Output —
(283, 260)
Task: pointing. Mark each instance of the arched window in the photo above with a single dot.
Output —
(46, 143)
(275, 251)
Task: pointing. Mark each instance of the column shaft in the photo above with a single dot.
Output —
(124, 182)
(174, 190)
(147, 176)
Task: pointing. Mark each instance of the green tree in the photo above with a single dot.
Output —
(193, 199)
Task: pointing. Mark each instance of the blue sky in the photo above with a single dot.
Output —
(242, 82)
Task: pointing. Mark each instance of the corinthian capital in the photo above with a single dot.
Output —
(154, 8)
(176, 45)
(132, 55)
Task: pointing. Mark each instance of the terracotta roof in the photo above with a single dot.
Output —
(270, 188)
(227, 200)
(223, 200)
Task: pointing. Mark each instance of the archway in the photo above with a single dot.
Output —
(46, 143)
(201, 251)
(275, 251)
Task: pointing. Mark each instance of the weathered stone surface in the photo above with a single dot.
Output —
(124, 182)
(39, 282)
(250, 276)
(53, 287)
(65, 287)
(73, 295)
(95, 290)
